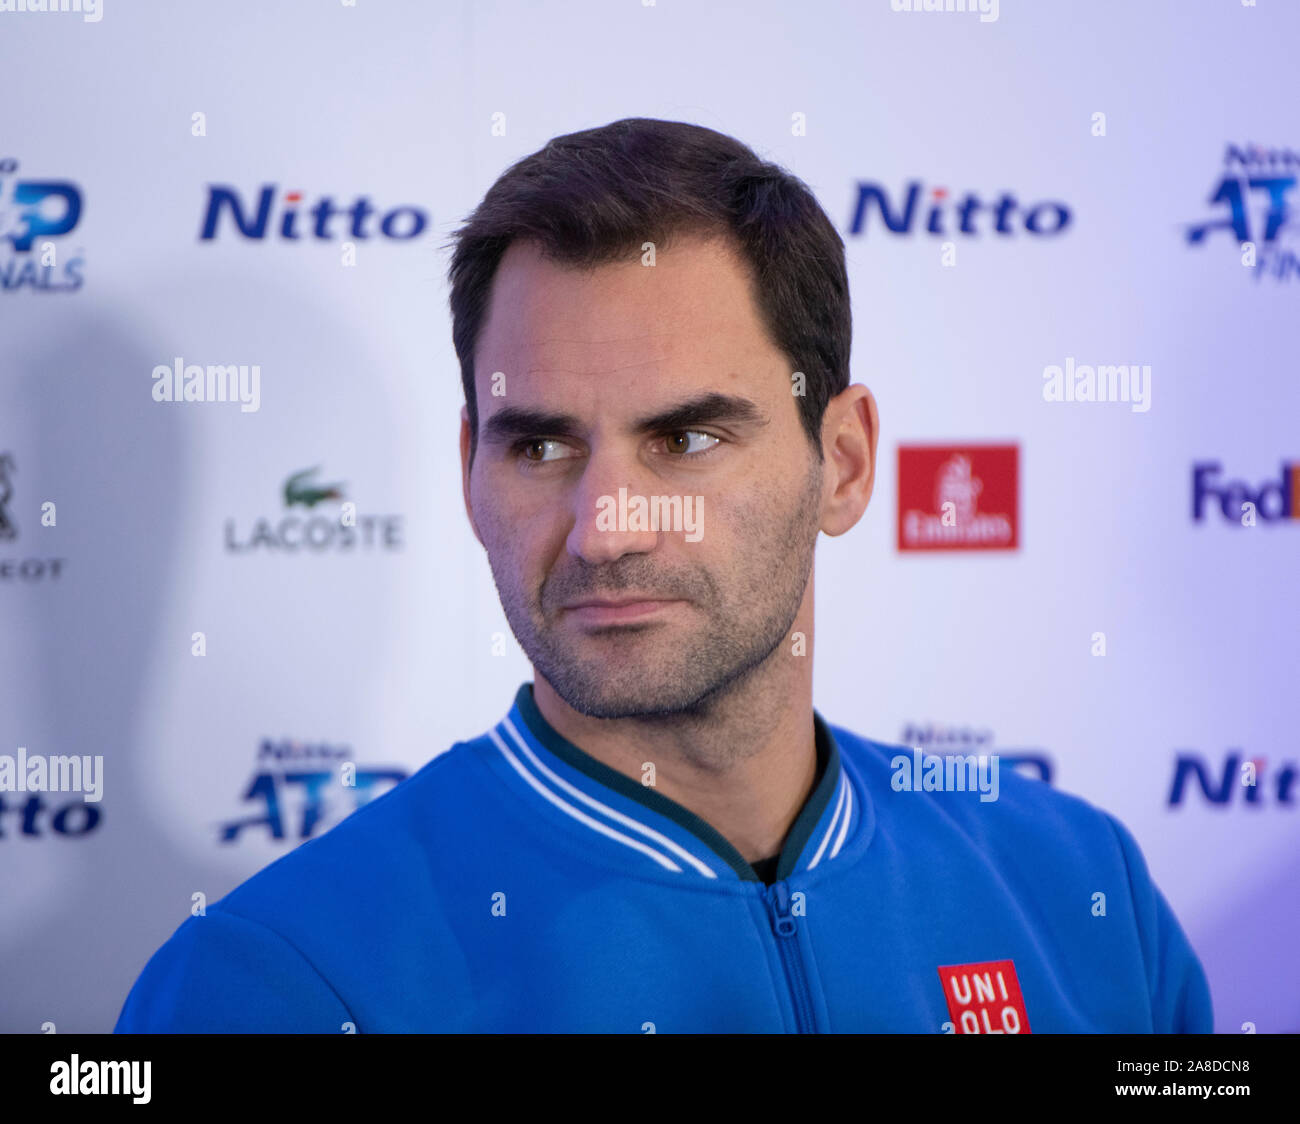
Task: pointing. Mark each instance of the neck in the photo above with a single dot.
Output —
(746, 766)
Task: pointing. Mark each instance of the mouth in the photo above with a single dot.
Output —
(606, 611)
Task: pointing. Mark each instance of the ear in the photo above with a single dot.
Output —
(850, 430)
(465, 469)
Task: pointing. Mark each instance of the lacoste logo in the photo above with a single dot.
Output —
(296, 490)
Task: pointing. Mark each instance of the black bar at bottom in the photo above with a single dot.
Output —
(338, 1072)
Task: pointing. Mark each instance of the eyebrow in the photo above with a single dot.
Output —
(713, 408)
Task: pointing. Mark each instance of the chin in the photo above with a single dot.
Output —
(618, 689)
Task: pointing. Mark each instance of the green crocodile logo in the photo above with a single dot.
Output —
(297, 490)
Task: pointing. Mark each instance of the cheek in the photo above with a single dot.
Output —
(756, 533)
(495, 505)
(754, 513)
(521, 538)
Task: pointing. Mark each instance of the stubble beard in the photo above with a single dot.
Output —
(688, 665)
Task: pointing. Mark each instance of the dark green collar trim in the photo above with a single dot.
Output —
(828, 764)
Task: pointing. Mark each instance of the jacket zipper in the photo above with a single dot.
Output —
(783, 925)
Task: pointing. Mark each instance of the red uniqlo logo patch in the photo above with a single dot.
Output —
(984, 998)
(958, 497)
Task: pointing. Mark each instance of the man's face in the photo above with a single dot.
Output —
(659, 380)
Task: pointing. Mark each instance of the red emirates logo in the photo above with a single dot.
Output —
(958, 497)
(984, 998)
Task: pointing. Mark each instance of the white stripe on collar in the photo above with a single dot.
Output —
(845, 798)
(618, 817)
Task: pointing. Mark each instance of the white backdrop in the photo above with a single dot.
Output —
(382, 654)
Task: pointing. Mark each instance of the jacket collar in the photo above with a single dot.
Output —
(647, 827)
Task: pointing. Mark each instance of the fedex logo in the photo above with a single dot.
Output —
(1273, 501)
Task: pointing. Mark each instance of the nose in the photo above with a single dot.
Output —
(601, 500)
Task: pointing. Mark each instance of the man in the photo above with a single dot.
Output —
(662, 834)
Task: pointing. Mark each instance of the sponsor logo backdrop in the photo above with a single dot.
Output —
(233, 559)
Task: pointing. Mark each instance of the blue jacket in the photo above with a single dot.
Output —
(517, 884)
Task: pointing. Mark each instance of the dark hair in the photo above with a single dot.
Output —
(593, 197)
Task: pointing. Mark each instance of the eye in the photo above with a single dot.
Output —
(679, 443)
(540, 450)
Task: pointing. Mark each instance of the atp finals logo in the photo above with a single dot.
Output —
(33, 214)
(300, 789)
(1253, 205)
(930, 736)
